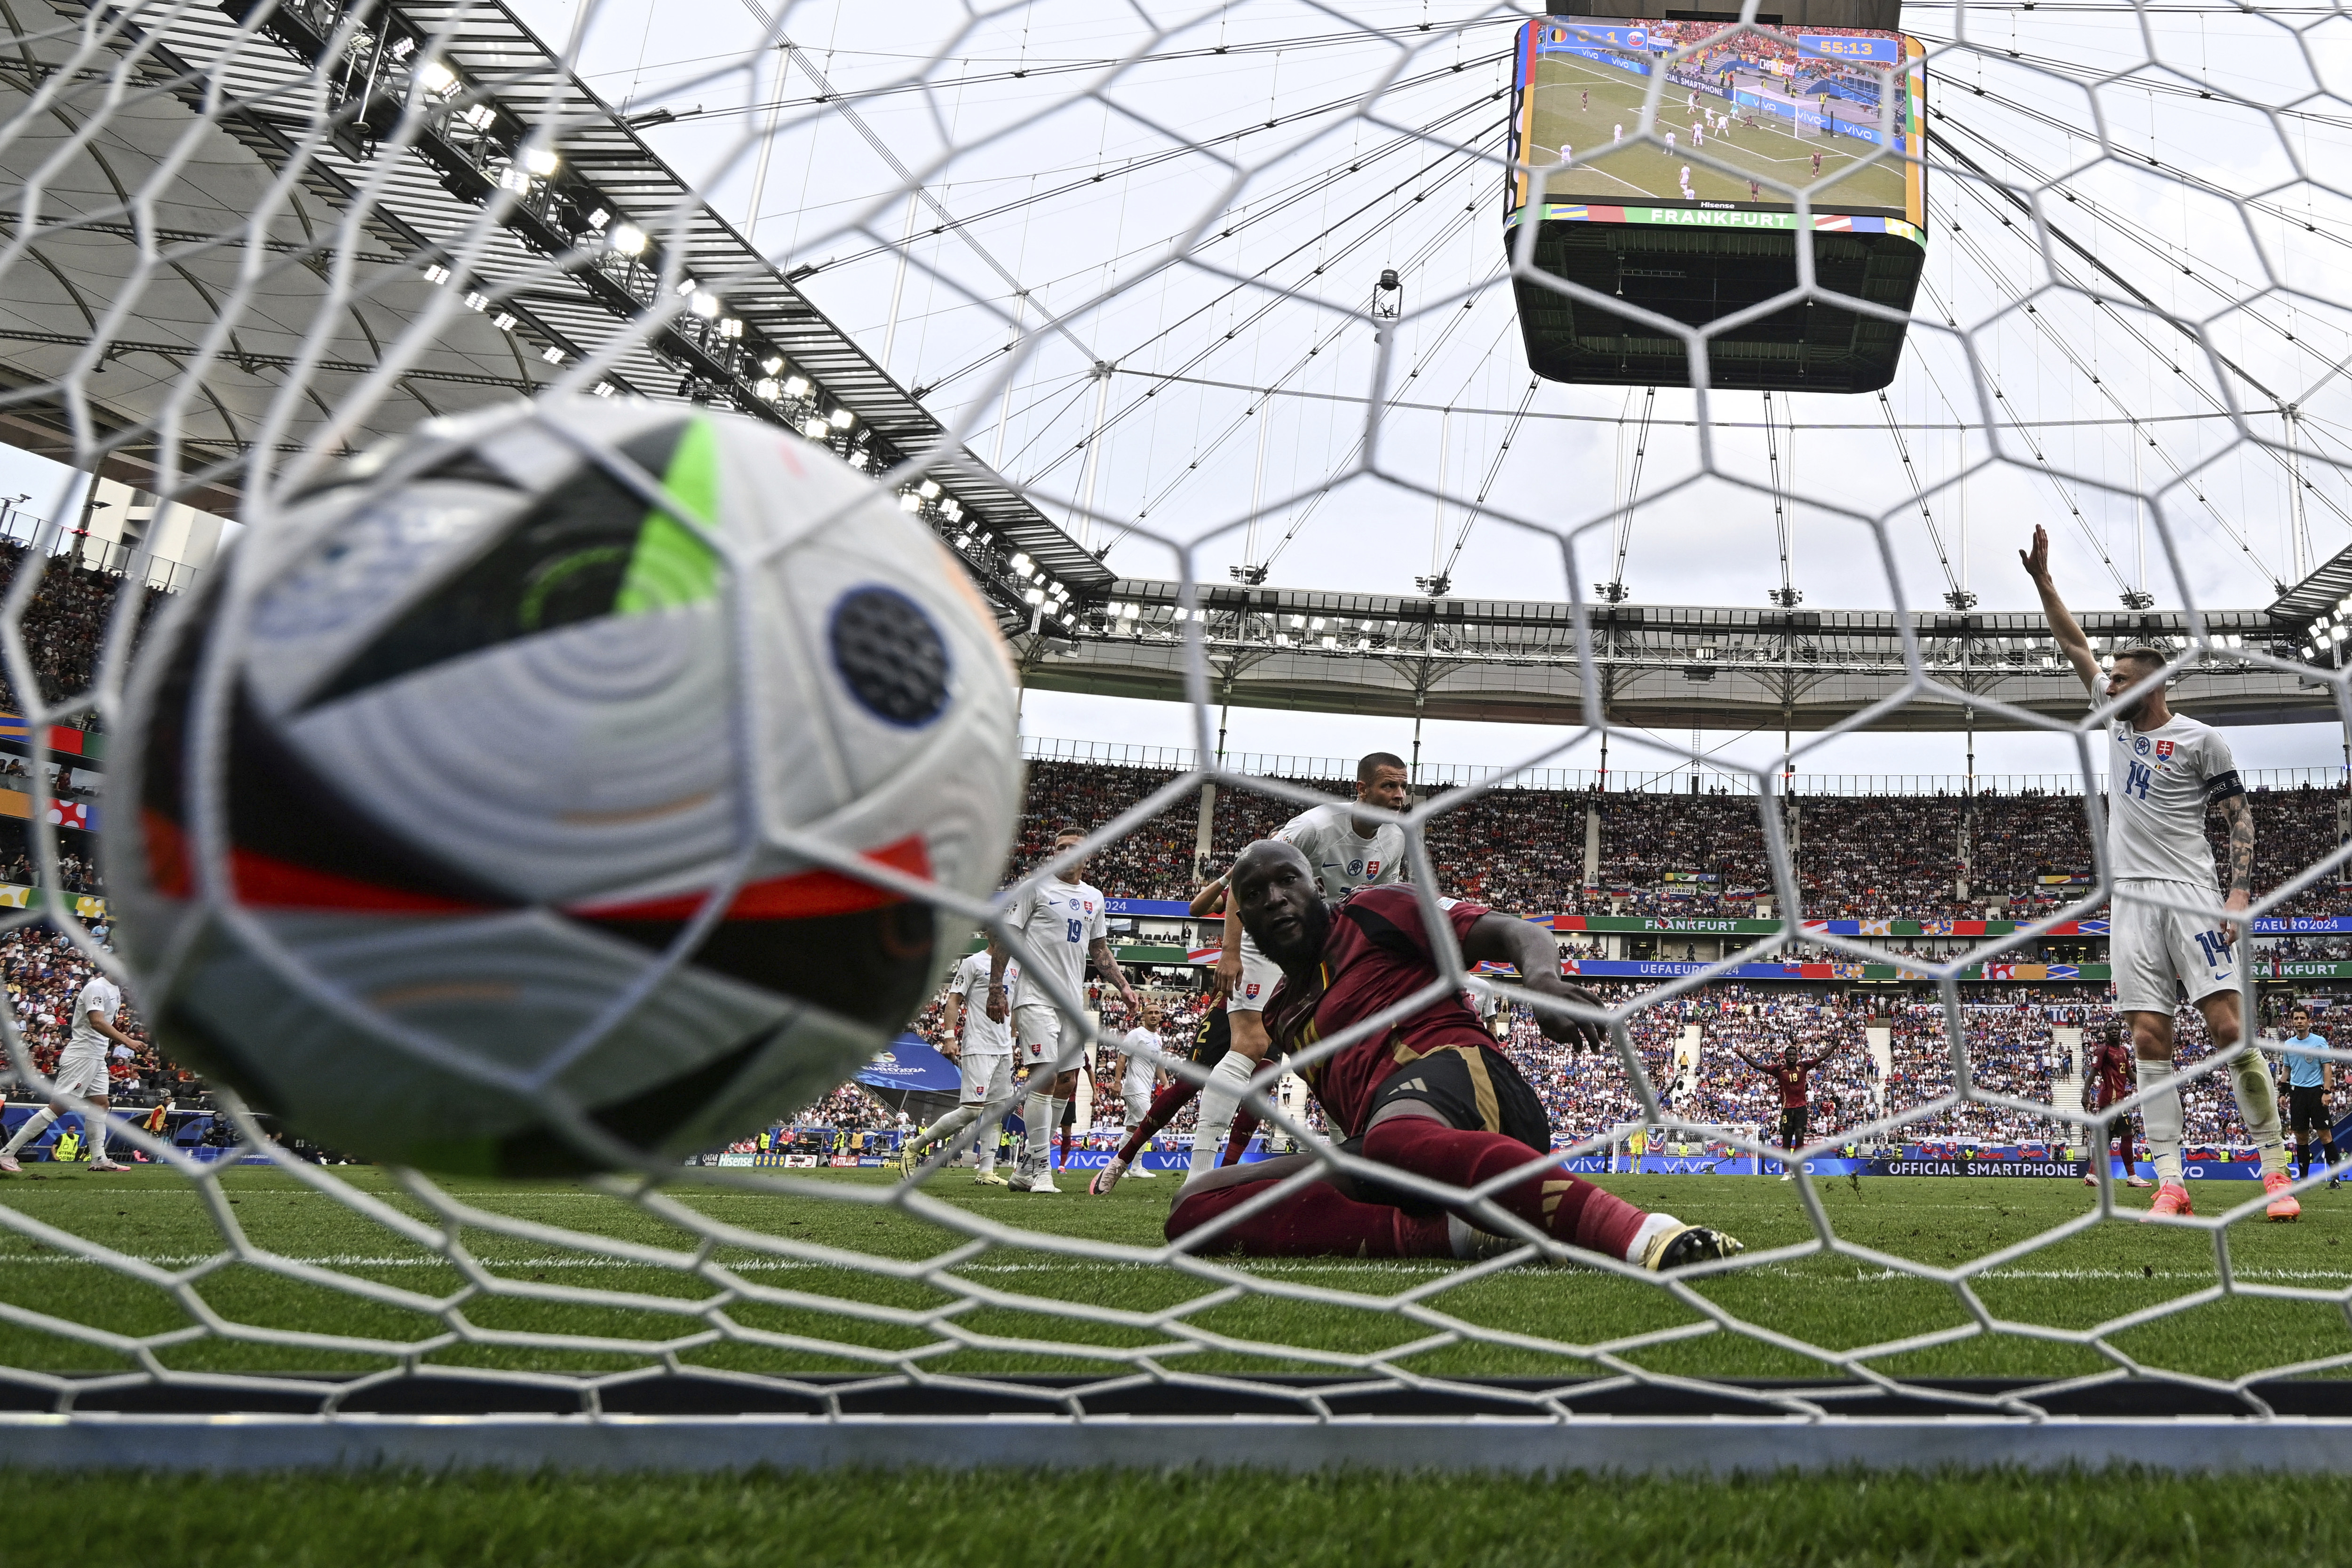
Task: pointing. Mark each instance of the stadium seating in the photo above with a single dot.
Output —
(1859, 857)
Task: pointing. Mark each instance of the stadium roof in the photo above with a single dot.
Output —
(538, 281)
(1658, 665)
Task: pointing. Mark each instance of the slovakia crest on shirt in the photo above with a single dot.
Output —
(2164, 748)
(1249, 992)
(2140, 745)
(1089, 904)
(1372, 868)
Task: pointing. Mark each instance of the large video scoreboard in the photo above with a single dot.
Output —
(1701, 218)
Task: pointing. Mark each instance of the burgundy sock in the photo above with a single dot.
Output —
(1237, 1141)
(1244, 1122)
(1550, 1199)
(1164, 1107)
(1313, 1221)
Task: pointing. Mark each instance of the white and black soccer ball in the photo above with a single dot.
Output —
(505, 768)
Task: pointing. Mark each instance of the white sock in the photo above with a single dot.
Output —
(946, 1127)
(2160, 1118)
(1643, 1236)
(2258, 1104)
(1218, 1102)
(93, 1123)
(35, 1125)
(1034, 1111)
(991, 1121)
(1053, 1125)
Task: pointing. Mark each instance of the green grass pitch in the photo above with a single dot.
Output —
(974, 1519)
(1766, 153)
(2100, 1275)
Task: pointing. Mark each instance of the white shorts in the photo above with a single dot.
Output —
(2159, 953)
(987, 1078)
(1259, 975)
(82, 1073)
(1138, 1104)
(1037, 1036)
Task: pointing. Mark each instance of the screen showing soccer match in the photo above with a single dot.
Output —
(1745, 117)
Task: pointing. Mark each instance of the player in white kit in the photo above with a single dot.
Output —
(81, 1070)
(1066, 923)
(1347, 851)
(2164, 769)
(1141, 1075)
(984, 1052)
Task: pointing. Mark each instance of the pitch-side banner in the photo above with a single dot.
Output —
(910, 1065)
(1655, 969)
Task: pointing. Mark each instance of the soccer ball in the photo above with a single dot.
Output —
(474, 814)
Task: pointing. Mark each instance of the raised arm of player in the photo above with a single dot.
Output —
(1210, 898)
(2063, 628)
(1812, 1062)
(1107, 965)
(1535, 954)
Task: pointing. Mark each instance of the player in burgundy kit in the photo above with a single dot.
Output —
(1428, 1095)
(2107, 1076)
(1792, 1073)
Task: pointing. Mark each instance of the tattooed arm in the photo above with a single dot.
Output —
(2239, 816)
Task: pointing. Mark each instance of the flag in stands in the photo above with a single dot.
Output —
(69, 814)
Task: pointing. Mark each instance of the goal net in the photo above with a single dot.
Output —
(1176, 331)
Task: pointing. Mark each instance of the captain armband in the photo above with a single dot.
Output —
(2225, 787)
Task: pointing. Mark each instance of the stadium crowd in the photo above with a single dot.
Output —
(1894, 857)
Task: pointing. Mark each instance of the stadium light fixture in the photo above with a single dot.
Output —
(731, 327)
(1021, 562)
(909, 502)
(435, 78)
(766, 388)
(1035, 596)
(541, 162)
(476, 300)
(859, 458)
(551, 354)
(626, 239)
(796, 386)
(436, 273)
(816, 429)
(703, 304)
(929, 488)
(773, 364)
(481, 117)
(599, 218)
(843, 418)
(503, 321)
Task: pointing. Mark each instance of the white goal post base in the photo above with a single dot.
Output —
(1715, 1446)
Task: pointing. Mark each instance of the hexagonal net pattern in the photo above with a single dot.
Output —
(1051, 277)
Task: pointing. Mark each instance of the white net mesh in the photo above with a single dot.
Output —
(1109, 254)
